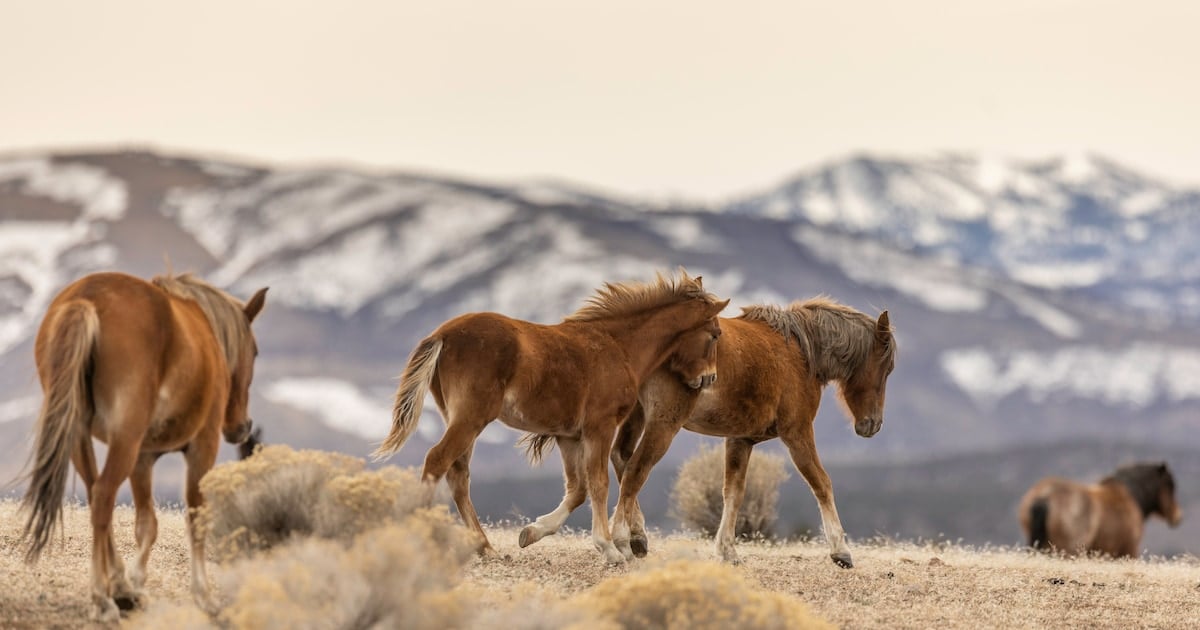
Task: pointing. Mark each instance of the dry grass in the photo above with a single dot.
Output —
(696, 496)
(561, 583)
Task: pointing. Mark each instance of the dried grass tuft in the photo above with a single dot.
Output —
(280, 493)
(696, 499)
(695, 595)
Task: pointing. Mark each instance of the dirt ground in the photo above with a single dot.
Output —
(893, 585)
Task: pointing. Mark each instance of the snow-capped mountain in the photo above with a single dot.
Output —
(1032, 301)
(1081, 224)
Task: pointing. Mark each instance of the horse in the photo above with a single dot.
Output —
(147, 368)
(1105, 518)
(576, 380)
(772, 364)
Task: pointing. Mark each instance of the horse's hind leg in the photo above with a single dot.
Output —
(146, 523)
(596, 448)
(459, 480)
(549, 524)
(737, 462)
(803, 448)
(108, 571)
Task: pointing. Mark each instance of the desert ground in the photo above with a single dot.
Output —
(893, 584)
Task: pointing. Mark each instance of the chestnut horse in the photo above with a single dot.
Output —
(576, 380)
(147, 368)
(1102, 518)
(772, 364)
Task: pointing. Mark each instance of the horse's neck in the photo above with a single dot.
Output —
(1145, 497)
(647, 339)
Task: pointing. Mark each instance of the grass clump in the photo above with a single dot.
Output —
(696, 497)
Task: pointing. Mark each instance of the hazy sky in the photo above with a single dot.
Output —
(692, 99)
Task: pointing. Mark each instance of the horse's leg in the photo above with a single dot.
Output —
(146, 523)
(200, 454)
(803, 448)
(737, 462)
(597, 445)
(549, 524)
(459, 480)
(629, 525)
(109, 587)
(627, 439)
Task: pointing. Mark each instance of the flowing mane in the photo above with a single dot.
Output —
(618, 299)
(835, 338)
(223, 311)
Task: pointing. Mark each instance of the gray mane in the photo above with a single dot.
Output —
(834, 338)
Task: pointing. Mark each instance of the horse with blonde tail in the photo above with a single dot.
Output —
(575, 381)
(147, 368)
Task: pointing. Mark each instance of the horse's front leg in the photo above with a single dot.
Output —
(200, 454)
(737, 462)
(803, 448)
(629, 525)
(627, 440)
(573, 496)
(597, 444)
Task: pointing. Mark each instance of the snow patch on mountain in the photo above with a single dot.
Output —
(1136, 376)
(100, 195)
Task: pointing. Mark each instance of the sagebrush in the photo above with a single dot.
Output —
(696, 499)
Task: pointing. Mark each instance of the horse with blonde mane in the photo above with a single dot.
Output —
(1105, 518)
(771, 365)
(147, 368)
(575, 381)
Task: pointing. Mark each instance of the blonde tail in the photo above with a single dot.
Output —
(62, 422)
(410, 398)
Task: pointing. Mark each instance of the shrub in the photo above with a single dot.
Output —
(696, 499)
(260, 502)
(694, 595)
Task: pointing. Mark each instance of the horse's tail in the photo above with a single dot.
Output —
(1039, 510)
(62, 421)
(536, 446)
(410, 397)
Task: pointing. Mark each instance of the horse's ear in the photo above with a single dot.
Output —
(720, 306)
(699, 281)
(883, 328)
(255, 305)
(1162, 467)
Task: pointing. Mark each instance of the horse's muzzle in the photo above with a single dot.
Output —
(866, 427)
(240, 433)
(703, 381)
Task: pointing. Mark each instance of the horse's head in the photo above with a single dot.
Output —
(237, 425)
(864, 390)
(1167, 506)
(695, 358)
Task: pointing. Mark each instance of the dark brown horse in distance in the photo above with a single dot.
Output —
(1105, 518)
(576, 380)
(771, 365)
(147, 368)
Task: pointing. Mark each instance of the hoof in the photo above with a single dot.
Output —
(842, 560)
(614, 558)
(128, 602)
(106, 613)
(528, 536)
(639, 545)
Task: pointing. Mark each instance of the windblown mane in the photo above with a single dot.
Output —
(834, 338)
(617, 299)
(224, 312)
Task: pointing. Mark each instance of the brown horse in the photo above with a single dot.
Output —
(772, 364)
(576, 380)
(1105, 518)
(147, 368)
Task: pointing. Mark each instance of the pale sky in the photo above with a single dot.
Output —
(675, 99)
